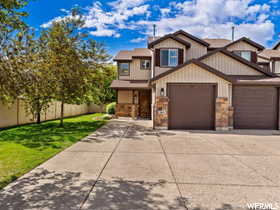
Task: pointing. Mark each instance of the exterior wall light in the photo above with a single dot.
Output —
(162, 92)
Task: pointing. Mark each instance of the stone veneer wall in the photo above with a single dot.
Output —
(161, 112)
(230, 116)
(224, 114)
(127, 110)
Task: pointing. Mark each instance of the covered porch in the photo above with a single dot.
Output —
(134, 99)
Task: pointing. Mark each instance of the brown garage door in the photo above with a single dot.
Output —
(255, 107)
(191, 106)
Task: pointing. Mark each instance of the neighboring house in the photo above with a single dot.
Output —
(270, 59)
(183, 82)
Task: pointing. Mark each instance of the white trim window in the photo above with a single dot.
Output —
(169, 57)
(145, 64)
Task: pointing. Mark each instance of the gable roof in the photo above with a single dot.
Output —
(217, 43)
(240, 59)
(127, 55)
(270, 54)
(198, 63)
(277, 45)
(191, 37)
(169, 36)
(249, 41)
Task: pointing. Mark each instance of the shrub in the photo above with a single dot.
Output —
(107, 117)
(111, 108)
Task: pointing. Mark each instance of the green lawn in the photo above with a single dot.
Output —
(23, 148)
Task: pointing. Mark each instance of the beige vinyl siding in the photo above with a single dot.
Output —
(277, 48)
(124, 77)
(229, 65)
(168, 43)
(242, 46)
(138, 74)
(196, 50)
(135, 72)
(194, 74)
(262, 60)
(277, 67)
(125, 96)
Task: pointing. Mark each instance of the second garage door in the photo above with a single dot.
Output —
(191, 106)
(255, 107)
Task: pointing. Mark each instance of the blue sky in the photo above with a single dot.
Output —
(125, 24)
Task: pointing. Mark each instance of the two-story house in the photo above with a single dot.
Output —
(183, 82)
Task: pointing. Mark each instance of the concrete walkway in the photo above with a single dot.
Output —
(127, 165)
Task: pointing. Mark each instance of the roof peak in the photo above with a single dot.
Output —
(249, 41)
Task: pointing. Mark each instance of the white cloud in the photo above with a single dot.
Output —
(108, 23)
(124, 4)
(104, 32)
(214, 18)
(165, 11)
(137, 40)
(65, 11)
(203, 18)
(48, 24)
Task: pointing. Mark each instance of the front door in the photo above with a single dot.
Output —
(145, 103)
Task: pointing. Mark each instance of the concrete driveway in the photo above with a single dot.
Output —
(126, 165)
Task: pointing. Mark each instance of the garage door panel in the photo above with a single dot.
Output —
(255, 107)
(191, 106)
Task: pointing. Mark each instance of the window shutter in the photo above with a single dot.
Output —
(254, 57)
(157, 57)
(181, 56)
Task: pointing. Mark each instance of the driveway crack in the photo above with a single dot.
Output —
(172, 173)
(105, 165)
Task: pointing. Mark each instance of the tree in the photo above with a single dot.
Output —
(96, 59)
(11, 23)
(38, 92)
(75, 62)
(14, 60)
(107, 94)
(11, 14)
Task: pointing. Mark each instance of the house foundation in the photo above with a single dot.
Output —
(127, 110)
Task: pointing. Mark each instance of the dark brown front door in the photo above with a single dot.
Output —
(255, 107)
(145, 103)
(191, 106)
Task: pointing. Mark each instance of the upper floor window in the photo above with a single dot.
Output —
(145, 64)
(244, 54)
(169, 57)
(123, 69)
